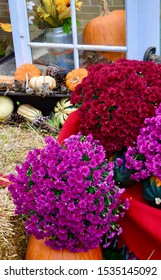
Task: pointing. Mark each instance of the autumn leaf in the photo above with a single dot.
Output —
(6, 27)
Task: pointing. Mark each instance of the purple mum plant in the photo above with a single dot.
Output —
(67, 194)
(144, 159)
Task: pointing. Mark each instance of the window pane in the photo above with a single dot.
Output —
(7, 60)
(100, 30)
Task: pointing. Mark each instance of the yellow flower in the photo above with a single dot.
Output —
(6, 27)
(78, 4)
(62, 5)
(54, 13)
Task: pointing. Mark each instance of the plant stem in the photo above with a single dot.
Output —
(105, 8)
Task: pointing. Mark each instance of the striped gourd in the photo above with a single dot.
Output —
(29, 112)
(62, 110)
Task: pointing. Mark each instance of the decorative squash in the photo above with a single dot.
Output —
(6, 107)
(7, 79)
(26, 69)
(37, 250)
(108, 29)
(36, 83)
(74, 77)
(152, 191)
(29, 112)
(62, 110)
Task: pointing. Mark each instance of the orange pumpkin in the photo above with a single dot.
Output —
(108, 29)
(26, 69)
(37, 250)
(74, 77)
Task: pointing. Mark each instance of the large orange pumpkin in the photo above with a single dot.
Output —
(108, 29)
(37, 250)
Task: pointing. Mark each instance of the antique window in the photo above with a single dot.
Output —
(142, 29)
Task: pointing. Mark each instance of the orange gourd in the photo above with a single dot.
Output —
(74, 77)
(7, 79)
(26, 69)
(37, 250)
(108, 29)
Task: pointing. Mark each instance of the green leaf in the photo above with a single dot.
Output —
(66, 27)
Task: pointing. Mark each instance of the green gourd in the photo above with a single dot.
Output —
(152, 191)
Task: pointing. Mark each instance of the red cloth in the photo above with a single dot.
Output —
(70, 127)
(141, 226)
(142, 223)
(4, 182)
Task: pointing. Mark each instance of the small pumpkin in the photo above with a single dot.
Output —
(108, 29)
(37, 250)
(36, 83)
(62, 110)
(152, 191)
(75, 77)
(26, 69)
(29, 112)
(6, 107)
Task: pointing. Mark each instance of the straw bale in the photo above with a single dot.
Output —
(13, 238)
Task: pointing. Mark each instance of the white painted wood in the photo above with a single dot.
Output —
(20, 31)
(79, 46)
(75, 35)
(143, 27)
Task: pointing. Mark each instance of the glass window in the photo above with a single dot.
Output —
(7, 60)
(31, 46)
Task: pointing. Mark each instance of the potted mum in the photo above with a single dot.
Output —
(143, 160)
(68, 198)
(54, 16)
(115, 99)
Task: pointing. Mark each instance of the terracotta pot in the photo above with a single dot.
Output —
(37, 250)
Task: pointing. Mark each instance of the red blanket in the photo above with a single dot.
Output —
(142, 223)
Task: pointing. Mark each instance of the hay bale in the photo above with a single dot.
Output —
(13, 238)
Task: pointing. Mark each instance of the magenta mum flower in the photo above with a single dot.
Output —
(67, 194)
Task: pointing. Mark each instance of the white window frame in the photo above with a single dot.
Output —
(142, 31)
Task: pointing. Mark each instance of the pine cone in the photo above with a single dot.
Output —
(42, 123)
(51, 70)
(55, 73)
(39, 121)
(16, 118)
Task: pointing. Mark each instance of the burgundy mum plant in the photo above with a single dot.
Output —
(67, 194)
(115, 99)
(144, 159)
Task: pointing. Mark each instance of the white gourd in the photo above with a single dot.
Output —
(6, 107)
(36, 83)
